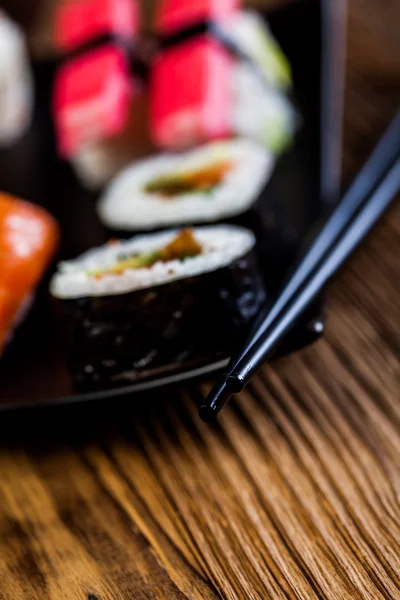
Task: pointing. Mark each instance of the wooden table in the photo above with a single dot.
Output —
(295, 494)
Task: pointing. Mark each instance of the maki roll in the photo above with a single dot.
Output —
(219, 73)
(248, 31)
(28, 240)
(260, 83)
(146, 306)
(213, 182)
(16, 83)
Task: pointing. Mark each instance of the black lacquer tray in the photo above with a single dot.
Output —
(305, 184)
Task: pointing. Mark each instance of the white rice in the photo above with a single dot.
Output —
(221, 246)
(126, 205)
(250, 32)
(94, 165)
(259, 111)
(16, 84)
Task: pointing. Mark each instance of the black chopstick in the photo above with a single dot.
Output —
(382, 160)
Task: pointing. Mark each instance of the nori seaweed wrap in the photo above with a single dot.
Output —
(145, 307)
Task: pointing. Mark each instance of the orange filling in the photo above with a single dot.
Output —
(184, 245)
(203, 179)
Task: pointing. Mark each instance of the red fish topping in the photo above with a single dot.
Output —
(91, 98)
(85, 20)
(174, 15)
(92, 93)
(191, 91)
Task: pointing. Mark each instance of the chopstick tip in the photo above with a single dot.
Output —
(207, 413)
(235, 383)
(215, 402)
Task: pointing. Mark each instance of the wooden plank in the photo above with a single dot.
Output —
(293, 495)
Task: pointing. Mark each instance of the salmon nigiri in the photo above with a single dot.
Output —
(28, 240)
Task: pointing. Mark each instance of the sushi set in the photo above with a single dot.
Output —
(156, 197)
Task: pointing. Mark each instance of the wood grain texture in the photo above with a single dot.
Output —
(293, 495)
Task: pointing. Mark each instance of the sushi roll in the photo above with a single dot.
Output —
(261, 109)
(95, 92)
(249, 32)
(219, 73)
(136, 308)
(213, 182)
(16, 83)
(28, 240)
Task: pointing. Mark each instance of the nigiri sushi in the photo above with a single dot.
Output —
(28, 240)
(16, 83)
(95, 91)
(146, 305)
(219, 73)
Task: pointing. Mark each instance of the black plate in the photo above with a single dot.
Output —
(306, 182)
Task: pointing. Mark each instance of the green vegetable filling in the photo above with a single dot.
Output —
(183, 246)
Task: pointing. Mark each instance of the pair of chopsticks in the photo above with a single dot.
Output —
(363, 204)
